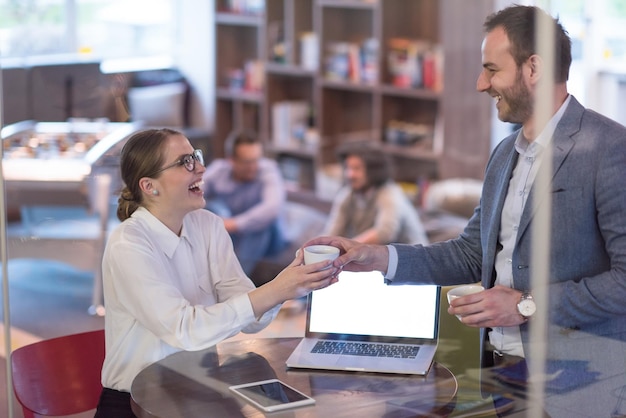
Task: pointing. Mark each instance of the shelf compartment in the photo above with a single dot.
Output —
(287, 20)
(413, 19)
(347, 111)
(234, 114)
(288, 88)
(408, 109)
(235, 47)
(403, 22)
(346, 85)
(346, 25)
(412, 93)
(300, 151)
(288, 70)
(225, 93)
(238, 19)
(298, 171)
(349, 4)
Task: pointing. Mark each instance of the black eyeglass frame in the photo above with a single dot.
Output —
(188, 161)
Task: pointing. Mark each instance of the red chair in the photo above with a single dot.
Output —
(59, 376)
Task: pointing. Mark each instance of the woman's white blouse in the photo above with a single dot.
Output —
(164, 293)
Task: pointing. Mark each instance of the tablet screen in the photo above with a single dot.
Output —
(272, 395)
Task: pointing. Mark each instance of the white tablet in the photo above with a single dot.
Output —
(272, 395)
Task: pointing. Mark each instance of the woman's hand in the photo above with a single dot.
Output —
(295, 281)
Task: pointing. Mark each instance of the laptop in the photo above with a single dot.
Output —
(363, 324)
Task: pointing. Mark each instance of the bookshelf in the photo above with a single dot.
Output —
(398, 72)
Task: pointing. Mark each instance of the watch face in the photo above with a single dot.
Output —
(526, 307)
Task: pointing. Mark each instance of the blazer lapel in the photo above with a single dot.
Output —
(492, 213)
(562, 144)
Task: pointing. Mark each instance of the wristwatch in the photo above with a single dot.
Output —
(526, 306)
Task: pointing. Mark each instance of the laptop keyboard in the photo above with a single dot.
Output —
(365, 349)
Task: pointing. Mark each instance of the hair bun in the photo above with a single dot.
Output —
(127, 195)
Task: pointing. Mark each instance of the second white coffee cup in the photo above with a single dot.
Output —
(464, 290)
(317, 253)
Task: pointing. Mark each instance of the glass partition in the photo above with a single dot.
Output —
(59, 185)
(58, 198)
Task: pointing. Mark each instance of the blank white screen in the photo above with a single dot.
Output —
(361, 303)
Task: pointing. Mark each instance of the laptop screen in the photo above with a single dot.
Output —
(362, 304)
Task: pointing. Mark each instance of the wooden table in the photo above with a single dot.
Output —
(195, 384)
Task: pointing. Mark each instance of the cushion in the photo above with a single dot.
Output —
(458, 196)
(160, 105)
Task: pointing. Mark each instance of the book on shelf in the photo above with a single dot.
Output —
(353, 62)
(288, 117)
(415, 63)
(252, 7)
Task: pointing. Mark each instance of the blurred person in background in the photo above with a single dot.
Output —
(371, 208)
(247, 191)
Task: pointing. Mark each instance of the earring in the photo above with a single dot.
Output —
(155, 192)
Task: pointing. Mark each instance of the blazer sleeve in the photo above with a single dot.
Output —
(447, 263)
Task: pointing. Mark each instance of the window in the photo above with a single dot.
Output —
(98, 28)
(614, 39)
(596, 28)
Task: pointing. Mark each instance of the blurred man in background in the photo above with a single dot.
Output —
(248, 192)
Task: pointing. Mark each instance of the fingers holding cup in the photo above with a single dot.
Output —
(464, 290)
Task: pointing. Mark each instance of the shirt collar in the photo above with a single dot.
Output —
(166, 239)
(545, 136)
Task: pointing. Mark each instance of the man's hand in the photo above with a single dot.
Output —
(355, 256)
(494, 307)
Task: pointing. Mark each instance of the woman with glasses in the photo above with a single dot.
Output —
(172, 281)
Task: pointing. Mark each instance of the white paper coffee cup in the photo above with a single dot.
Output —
(317, 253)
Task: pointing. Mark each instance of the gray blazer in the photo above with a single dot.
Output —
(587, 291)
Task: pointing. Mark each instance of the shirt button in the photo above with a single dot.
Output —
(515, 227)
(509, 261)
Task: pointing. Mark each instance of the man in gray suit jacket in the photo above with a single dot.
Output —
(586, 295)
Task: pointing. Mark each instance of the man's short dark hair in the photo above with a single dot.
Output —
(237, 138)
(520, 24)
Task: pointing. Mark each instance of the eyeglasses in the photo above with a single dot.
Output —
(188, 161)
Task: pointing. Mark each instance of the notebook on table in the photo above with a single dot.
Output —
(362, 324)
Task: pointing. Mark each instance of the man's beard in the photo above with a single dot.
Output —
(518, 102)
(359, 187)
